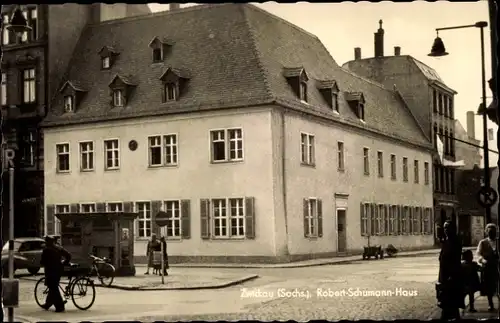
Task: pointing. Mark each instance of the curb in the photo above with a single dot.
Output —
(214, 286)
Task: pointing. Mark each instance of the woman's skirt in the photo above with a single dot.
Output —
(489, 281)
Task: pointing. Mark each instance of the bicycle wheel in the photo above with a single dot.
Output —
(106, 274)
(41, 292)
(81, 288)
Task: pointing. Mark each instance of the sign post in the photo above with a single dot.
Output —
(161, 220)
(487, 196)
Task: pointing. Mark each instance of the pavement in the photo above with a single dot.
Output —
(481, 305)
(387, 289)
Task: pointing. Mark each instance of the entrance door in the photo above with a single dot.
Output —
(341, 230)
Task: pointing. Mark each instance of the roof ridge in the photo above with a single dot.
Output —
(256, 51)
(280, 19)
(405, 104)
(159, 14)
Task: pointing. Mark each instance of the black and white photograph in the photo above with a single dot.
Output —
(249, 161)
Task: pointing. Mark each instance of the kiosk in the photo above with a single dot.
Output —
(102, 234)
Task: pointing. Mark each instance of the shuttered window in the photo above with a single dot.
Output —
(228, 218)
(313, 217)
(178, 219)
(365, 219)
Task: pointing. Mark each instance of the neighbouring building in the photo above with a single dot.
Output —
(431, 102)
(33, 66)
(244, 130)
(467, 146)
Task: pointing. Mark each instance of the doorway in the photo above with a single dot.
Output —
(341, 230)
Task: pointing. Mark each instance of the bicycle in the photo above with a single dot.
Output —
(104, 271)
(76, 287)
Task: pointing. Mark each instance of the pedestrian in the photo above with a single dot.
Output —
(163, 241)
(470, 270)
(450, 284)
(150, 249)
(488, 258)
(54, 257)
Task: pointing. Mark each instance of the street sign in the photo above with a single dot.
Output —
(487, 196)
(8, 158)
(161, 218)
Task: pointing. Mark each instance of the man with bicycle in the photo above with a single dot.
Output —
(54, 258)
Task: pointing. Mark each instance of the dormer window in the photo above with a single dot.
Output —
(105, 63)
(69, 103)
(170, 91)
(118, 98)
(356, 101)
(122, 88)
(330, 92)
(174, 82)
(297, 79)
(72, 94)
(108, 57)
(159, 48)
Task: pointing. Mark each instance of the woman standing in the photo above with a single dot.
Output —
(488, 257)
(151, 247)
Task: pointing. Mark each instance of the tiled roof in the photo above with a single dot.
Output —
(429, 72)
(75, 85)
(236, 55)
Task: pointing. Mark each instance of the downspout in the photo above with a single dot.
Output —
(283, 176)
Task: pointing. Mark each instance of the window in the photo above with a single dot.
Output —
(170, 90)
(3, 89)
(393, 167)
(118, 99)
(405, 169)
(434, 101)
(307, 149)
(366, 161)
(380, 163)
(417, 220)
(112, 154)
(374, 220)
(157, 55)
(365, 220)
(29, 86)
(31, 17)
(226, 145)
(416, 171)
(361, 109)
(341, 161)
(28, 148)
(114, 207)
(404, 226)
(312, 218)
(63, 164)
(393, 215)
(5, 32)
(106, 64)
(163, 150)
(69, 103)
(87, 207)
(303, 91)
(87, 156)
(381, 220)
(335, 101)
(144, 219)
(440, 103)
(228, 218)
(59, 209)
(173, 210)
(426, 173)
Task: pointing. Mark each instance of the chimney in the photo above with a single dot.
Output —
(397, 51)
(357, 53)
(471, 125)
(174, 6)
(379, 41)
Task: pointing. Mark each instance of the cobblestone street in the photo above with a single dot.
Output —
(400, 288)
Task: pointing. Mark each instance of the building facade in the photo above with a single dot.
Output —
(33, 66)
(431, 102)
(253, 154)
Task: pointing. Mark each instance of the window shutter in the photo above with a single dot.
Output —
(74, 208)
(205, 218)
(387, 219)
(100, 207)
(250, 217)
(155, 208)
(400, 219)
(50, 219)
(431, 221)
(320, 218)
(128, 207)
(186, 219)
(361, 216)
(306, 222)
(374, 216)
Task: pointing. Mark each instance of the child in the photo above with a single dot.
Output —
(470, 270)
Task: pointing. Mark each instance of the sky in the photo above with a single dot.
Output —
(411, 25)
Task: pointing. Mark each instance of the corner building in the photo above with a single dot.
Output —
(257, 145)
